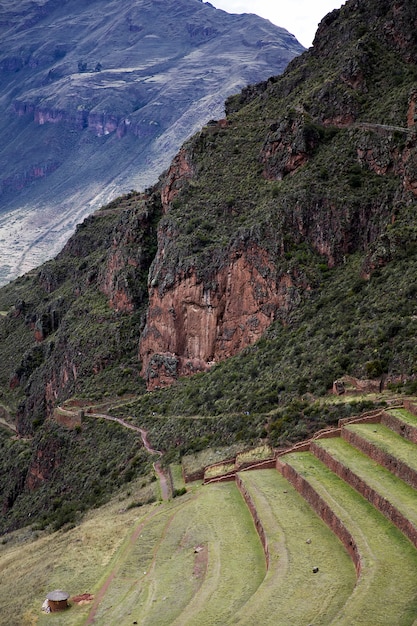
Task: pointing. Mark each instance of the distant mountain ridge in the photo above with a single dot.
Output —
(275, 259)
(97, 97)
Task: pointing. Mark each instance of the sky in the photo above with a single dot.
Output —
(299, 17)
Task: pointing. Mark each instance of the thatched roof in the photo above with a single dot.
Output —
(58, 595)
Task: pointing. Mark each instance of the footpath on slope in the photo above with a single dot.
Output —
(164, 477)
(8, 425)
(165, 482)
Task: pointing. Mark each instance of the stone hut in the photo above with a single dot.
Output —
(57, 600)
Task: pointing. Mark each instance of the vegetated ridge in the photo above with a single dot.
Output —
(98, 97)
(275, 255)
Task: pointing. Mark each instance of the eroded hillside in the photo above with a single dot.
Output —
(275, 255)
(101, 104)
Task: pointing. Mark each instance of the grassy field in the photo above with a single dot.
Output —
(388, 441)
(177, 477)
(219, 470)
(299, 541)
(204, 561)
(386, 593)
(405, 416)
(393, 489)
(260, 453)
(197, 560)
(198, 461)
(32, 564)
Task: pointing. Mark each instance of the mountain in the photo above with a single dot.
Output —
(276, 255)
(97, 98)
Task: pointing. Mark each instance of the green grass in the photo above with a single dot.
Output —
(219, 470)
(36, 563)
(393, 489)
(405, 416)
(291, 593)
(259, 453)
(388, 441)
(177, 477)
(330, 320)
(386, 592)
(175, 585)
(194, 462)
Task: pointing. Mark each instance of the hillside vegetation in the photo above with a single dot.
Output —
(98, 97)
(306, 197)
(334, 542)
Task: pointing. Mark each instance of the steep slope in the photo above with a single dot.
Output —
(98, 97)
(319, 165)
(278, 252)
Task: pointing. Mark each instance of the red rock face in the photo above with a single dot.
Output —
(288, 147)
(409, 155)
(119, 298)
(180, 170)
(24, 178)
(102, 123)
(47, 459)
(128, 259)
(412, 112)
(59, 380)
(192, 326)
(14, 381)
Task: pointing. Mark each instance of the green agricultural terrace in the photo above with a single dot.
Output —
(294, 544)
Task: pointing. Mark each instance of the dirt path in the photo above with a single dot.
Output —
(11, 427)
(163, 476)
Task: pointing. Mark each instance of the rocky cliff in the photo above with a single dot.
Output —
(100, 104)
(276, 254)
(307, 169)
(327, 167)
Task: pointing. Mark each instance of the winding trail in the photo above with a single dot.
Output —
(166, 493)
(8, 425)
(164, 476)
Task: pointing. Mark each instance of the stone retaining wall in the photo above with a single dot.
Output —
(371, 417)
(222, 478)
(390, 462)
(68, 419)
(193, 476)
(258, 465)
(378, 501)
(258, 524)
(304, 446)
(410, 406)
(408, 431)
(323, 510)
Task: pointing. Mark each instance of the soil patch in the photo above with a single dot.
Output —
(83, 598)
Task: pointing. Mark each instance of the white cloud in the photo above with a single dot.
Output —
(300, 17)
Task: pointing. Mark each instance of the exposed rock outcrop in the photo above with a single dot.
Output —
(43, 464)
(288, 146)
(131, 253)
(107, 100)
(192, 325)
(293, 221)
(228, 252)
(178, 173)
(197, 316)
